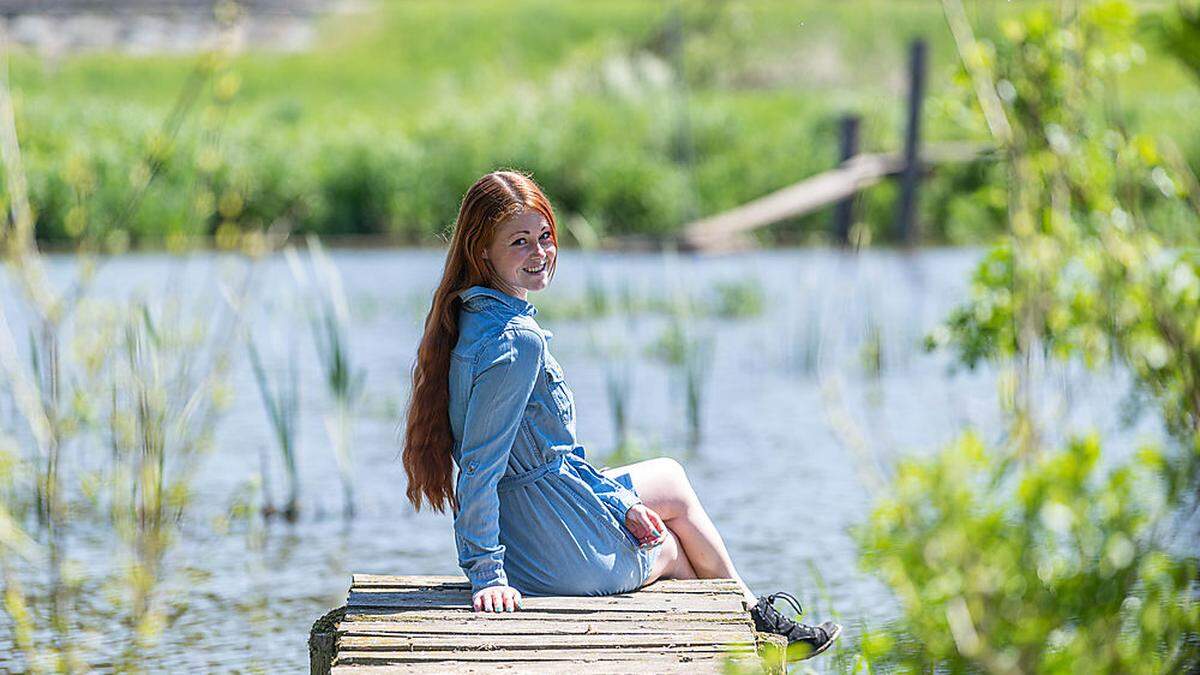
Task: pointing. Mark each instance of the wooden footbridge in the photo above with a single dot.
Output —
(839, 186)
(426, 625)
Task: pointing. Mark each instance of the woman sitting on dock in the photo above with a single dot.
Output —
(532, 515)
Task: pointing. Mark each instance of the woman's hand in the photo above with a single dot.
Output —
(497, 599)
(646, 525)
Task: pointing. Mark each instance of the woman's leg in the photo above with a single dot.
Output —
(694, 548)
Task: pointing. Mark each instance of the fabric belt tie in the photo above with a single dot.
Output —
(517, 480)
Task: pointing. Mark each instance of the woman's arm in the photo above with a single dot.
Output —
(496, 405)
(618, 498)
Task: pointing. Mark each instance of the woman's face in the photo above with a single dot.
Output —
(522, 252)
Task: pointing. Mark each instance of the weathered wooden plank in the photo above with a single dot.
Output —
(547, 626)
(359, 579)
(722, 588)
(372, 581)
(436, 580)
(853, 175)
(484, 618)
(456, 643)
(697, 664)
(668, 654)
(657, 602)
(358, 597)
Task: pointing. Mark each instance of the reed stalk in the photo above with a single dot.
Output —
(343, 381)
(281, 402)
(688, 350)
(871, 352)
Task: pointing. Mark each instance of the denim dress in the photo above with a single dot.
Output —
(533, 513)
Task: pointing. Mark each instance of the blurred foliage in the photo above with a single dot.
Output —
(739, 298)
(1023, 557)
(1178, 32)
(1049, 568)
(113, 401)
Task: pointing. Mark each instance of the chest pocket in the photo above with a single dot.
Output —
(559, 393)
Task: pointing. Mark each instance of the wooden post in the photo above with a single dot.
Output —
(843, 211)
(684, 148)
(322, 642)
(772, 651)
(906, 220)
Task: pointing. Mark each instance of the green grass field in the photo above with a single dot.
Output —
(384, 123)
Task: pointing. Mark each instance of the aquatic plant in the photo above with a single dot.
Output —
(687, 348)
(281, 402)
(871, 351)
(619, 383)
(737, 299)
(807, 340)
(611, 350)
(618, 386)
(597, 300)
(343, 381)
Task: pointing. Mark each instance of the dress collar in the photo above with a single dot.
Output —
(517, 305)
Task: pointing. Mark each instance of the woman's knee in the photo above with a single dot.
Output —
(663, 485)
(675, 481)
(670, 466)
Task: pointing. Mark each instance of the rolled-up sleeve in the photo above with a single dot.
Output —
(504, 380)
(618, 498)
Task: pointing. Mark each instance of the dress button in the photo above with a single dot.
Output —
(471, 467)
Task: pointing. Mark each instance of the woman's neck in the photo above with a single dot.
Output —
(518, 293)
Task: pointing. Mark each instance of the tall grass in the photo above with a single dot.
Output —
(343, 380)
(871, 352)
(805, 340)
(687, 348)
(282, 404)
(611, 347)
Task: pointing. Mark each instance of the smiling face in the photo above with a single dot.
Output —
(522, 252)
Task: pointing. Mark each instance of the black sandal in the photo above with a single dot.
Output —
(767, 619)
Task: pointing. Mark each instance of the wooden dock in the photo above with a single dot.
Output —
(425, 624)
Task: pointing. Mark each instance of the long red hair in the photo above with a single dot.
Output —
(428, 439)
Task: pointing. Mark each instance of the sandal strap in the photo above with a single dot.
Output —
(789, 597)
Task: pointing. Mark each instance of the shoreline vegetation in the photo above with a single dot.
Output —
(636, 117)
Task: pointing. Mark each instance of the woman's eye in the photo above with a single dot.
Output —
(519, 242)
(546, 234)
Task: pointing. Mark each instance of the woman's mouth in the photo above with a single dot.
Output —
(536, 269)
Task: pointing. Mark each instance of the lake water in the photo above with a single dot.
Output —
(796, 425)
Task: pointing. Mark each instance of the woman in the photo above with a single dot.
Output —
(532, 515)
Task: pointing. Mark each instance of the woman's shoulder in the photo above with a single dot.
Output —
(520, 335)
(496, 335)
